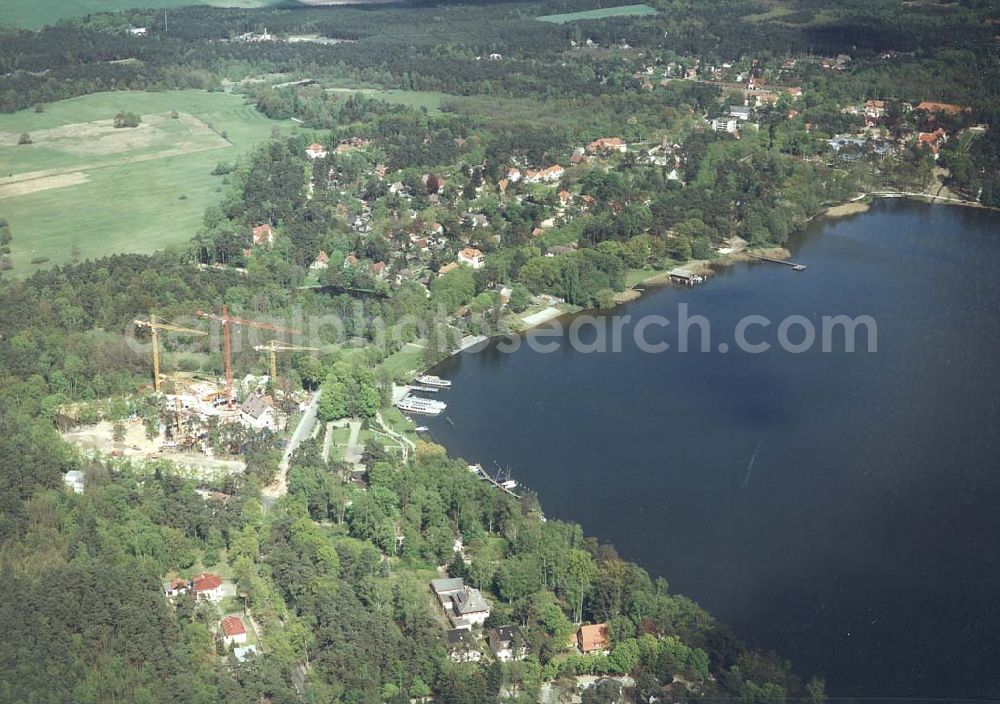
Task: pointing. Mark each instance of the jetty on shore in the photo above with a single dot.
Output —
(795, 266)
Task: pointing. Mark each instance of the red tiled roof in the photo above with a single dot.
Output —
(593, 637)
(930, 106)
(205, 582)
(233, 626)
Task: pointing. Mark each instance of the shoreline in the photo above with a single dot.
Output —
(708, 267)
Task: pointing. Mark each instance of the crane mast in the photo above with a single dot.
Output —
(227, 320)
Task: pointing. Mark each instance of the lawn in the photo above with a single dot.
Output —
(600, 14)
(85, 189)
(406, 362)
(32, 14)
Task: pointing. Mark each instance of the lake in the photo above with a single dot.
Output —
(840, 508)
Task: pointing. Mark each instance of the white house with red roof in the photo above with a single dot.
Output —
(547, 175)
(322, 261)
(263, 234)
(207, 586)
(472, 256)
(233, 630)
(316, 151)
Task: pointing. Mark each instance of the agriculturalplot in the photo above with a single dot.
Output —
(599, 14)
(83, 188)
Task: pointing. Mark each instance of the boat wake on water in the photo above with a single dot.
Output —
(753, 458)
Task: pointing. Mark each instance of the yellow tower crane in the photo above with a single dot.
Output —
(155, 325)
(273, 347)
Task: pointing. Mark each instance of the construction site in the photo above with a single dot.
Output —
(197, 421)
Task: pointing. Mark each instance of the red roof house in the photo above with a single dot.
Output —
(593, 638)
(263, 234)
(233, 630)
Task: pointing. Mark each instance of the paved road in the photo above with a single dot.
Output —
(280, 486)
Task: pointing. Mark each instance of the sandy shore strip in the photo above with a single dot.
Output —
(542, 316)
(850, 208)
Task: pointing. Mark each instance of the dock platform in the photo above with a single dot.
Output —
(794, 266)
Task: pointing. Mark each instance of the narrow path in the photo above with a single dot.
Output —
(354, 450)
(327, 441)
(279, 487)
(404, 442)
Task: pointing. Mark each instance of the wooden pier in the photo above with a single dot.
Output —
(793, 265)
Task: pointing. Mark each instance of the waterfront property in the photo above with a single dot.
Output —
(685, 277)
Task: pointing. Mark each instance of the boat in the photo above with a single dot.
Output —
(425, 389)
(431, 380)
(421, 429)
(425, 406)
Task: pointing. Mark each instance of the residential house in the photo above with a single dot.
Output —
(436, 229)
(740, 112)
(322, 261)
(451, 266)
(932, 140)
(75, 480)
(472, 256)
(263, 234)
(176, 587)
(507, 643)
(233, 631)
(462, 646)
(547, 175)
(350, 261)
(316, 151)
(258, 413)
(496, 57)
(875, 108)
(565, 197)
(464, 605)
(378, 270)
(138, 31)
(947, 108)
(593, 638)
(607, 144)
(794, 91)
(513, 175)
(479, 220)
(204, 586)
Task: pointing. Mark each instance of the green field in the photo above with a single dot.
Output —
(600, 14)
(32, 14)
(85, 188)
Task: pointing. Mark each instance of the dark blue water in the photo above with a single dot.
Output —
(862, 539)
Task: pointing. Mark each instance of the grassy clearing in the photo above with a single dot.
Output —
(635, 277)
(600, 14)
(399, 423)
(83, 187)
(32, 14)
(406, 361)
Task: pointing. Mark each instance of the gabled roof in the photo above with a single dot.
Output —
(255, 407)
(233, 626)
(593, 637)
(205, 582)
(470, 601)
(930, 106)
(447, 585)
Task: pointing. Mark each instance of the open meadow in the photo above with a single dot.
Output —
(85, 189)
(599, 14)
(32, 14)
